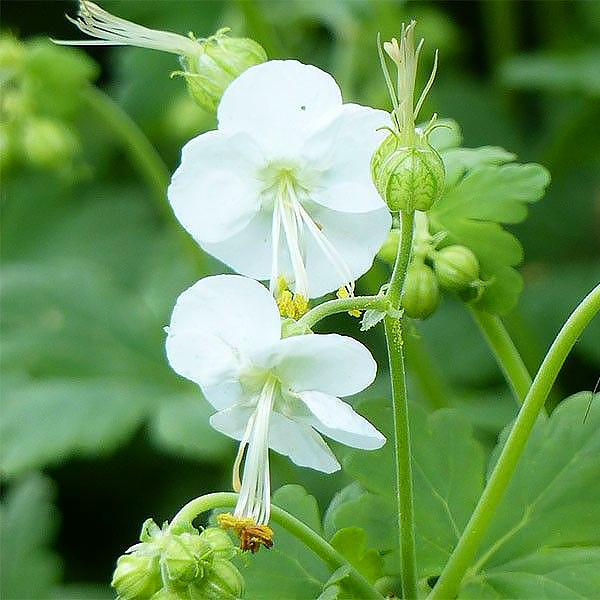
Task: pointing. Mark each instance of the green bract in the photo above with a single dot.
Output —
(407, 177)
(220, 59)
(421, 293)
(136, 577)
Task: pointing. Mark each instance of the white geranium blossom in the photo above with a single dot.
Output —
(283, 186)
(225, 335)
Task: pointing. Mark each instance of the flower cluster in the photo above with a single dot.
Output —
(280, 192)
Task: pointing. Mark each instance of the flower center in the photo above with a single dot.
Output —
(287, 188)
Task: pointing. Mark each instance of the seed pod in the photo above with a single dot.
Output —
(222, 581)
(219, 542)
(421, 293)
(456, 267)
(407, 177)
(136, 577)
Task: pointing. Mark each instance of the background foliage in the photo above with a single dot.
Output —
(97, 433)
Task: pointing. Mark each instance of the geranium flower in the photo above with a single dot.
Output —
(283, 186)
(269, 392)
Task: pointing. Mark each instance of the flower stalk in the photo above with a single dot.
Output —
(450, 580)
(331, 557)
(393, 336)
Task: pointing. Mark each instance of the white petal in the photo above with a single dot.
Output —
(214, 192)
(217, 323)
(357, 237)
(332, 364)
(225, 392)
(342, 152)
(234, 250)
(338, 420)
(279, 103)
(232, 421)
(301, 443)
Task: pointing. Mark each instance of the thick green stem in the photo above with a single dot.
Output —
(393, 336)
(313, 316)
(506, 354)
(305, 534)
(449, 582)
(140, 150)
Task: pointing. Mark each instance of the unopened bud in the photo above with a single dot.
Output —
(222, 581)
(219, 60)
(219, 542)
(456, 267)
(182, 556)
(388, 251)
(136, 577)
(407, 177)
(421, 293)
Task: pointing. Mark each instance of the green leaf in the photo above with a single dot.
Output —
(447, 473)
(351, 544)
(290, 568)
(471, 210)
(46, 422)
(544, 541)
(481, 193)
(29, 569)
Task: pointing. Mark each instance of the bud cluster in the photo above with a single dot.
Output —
(178, 565)
(452, 267)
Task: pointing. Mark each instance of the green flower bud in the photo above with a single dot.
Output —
(182, 556)
(219, 61)
(421, 293)
(47, 142)
(136, 577)
(388, 251)
(222, 581)
(456, 267)
(407, 177)
(220, 542)
(172, 594)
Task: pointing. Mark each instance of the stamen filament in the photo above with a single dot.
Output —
(255, 493)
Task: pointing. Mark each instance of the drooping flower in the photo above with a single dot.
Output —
(269, 392)
(210, 64)
(283, 188)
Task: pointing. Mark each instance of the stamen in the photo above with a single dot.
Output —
(255, 493)
(329, 250)
(99, 23)
(275, 235)
(238, 459)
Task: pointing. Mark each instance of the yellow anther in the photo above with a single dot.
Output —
(344, 293)
(290, 306)
(252, 536)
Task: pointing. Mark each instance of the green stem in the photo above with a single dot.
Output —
(331, 307)
(393, 336)
(449, 582)
(504, 350)
(140, 150)
(292, 525)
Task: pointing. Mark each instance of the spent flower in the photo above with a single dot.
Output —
(209, 64)
(269, 392)
(282, 188)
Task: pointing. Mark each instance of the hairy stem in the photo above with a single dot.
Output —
(449, 582)
(507, 355)
(331, 307)
(292, 525)
(393, 336)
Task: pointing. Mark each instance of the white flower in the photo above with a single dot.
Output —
(225, 335)
(288, 162)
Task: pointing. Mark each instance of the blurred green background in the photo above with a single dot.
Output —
(97, 432)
